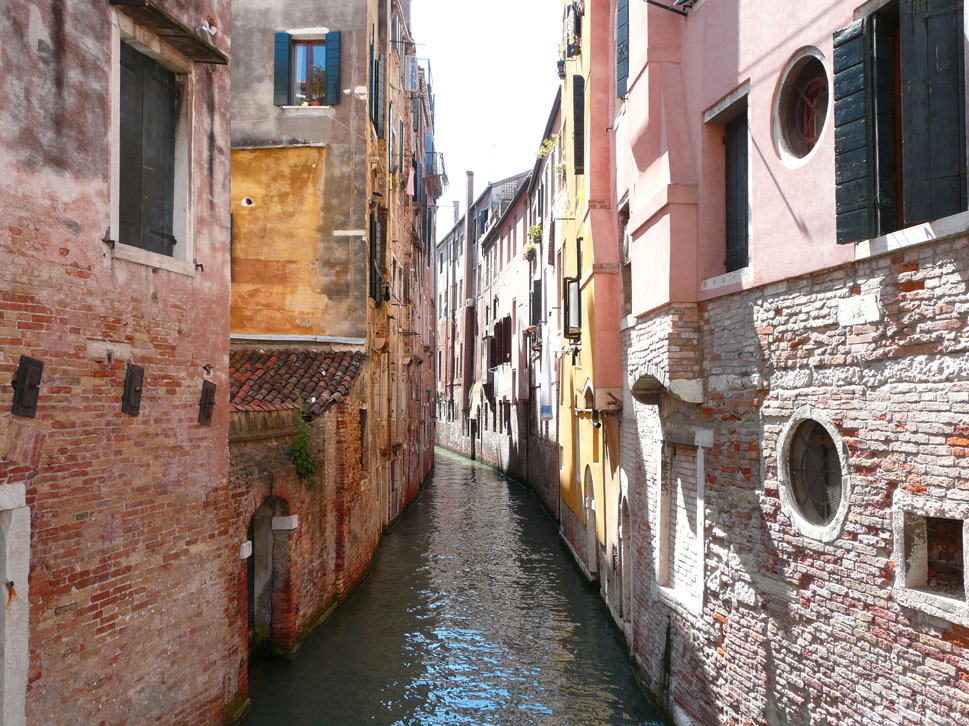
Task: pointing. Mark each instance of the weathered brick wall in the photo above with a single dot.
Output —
(131, 555)
(792, 628)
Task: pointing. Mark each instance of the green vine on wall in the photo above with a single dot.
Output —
(299, 451)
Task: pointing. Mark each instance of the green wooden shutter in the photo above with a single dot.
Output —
(381, 95)
(578, 122)
(282, 70)
(622, 47)
(536, 317)
(130, 157)
(331, 93)
(933, 110)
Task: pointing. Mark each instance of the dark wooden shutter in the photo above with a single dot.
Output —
(536, 302)
(381, 95)
(158, 159)
(374, 278)
(282, 70)
(933, 110)
(622, 47)
(331, 94)
(578, 122)
(131, 135)
(147, 181)
(735, 143)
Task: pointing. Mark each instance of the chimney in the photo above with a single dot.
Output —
(457, 211)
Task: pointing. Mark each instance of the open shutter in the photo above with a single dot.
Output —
(864, 122)
(374, 277)
(622, 47)
(331, 94)
(578, 122)
(735, 192)
(282, 70)
(381, 95)
(933, 110)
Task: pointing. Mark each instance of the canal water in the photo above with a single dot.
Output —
(474, 614)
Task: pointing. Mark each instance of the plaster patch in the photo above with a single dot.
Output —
(690, 391)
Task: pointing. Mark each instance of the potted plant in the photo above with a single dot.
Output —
(546, 148)
(560, 65)
(529, 251)
(535, 233)
(317, 85)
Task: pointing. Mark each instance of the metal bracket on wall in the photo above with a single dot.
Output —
(672, 8)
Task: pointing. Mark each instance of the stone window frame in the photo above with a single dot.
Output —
(124, 29)
(832, 530)
(690, 600)
(909, 595)
(14, 601)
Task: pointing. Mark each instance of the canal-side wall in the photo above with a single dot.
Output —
(775, 618)
(325, 529)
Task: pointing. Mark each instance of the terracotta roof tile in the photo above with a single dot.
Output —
(272, 379)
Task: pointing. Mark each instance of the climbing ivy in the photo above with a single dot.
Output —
(300, 451)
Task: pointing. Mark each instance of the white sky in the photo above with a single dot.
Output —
(493, 68)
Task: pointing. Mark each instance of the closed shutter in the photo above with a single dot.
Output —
(735, 142)
(622, 47)
(147, 181)
(933, 110)
(381, 95)
(374, 278)
(578, 122)
(331, 94)
(536, 302)
(282, 70)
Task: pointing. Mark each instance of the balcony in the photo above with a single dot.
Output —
(435, 174)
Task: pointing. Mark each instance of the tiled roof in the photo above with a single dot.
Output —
(271, 379)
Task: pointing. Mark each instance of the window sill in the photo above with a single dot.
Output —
(737, 277)
(305, 110)
(152, 259)
(680, 599)
(934, 231)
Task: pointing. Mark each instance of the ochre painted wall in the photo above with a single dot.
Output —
(286, 279)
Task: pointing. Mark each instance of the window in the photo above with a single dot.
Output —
(392, 146)
(930, 538)
(735, 192)
(900, 118)
(622, 47)
(578, 122)
(572, 308)
(307, 70)
(802, 106)
(147, 153)
(814, 474)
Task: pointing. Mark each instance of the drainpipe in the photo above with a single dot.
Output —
(467, 361)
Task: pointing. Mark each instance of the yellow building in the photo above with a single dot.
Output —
(590, 273)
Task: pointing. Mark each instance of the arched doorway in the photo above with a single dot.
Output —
(590, 523)
(260, 578)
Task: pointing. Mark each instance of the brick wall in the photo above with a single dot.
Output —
(795, 628)
(131, 558)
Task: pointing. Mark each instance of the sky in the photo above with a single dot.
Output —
(493, 69)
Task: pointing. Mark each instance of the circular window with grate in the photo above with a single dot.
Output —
(802, 106)
(813, 472)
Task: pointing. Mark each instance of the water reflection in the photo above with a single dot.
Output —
(473, 615)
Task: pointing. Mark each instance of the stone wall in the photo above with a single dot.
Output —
(799, 622)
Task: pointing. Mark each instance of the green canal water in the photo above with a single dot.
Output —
(474, 614)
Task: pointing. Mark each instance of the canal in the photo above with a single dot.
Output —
(474, 614)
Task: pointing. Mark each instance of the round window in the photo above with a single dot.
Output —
(815, 472)
(802, 106)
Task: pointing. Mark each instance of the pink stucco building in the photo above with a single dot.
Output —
(790, 195)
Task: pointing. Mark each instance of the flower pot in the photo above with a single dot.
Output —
(561, 68)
